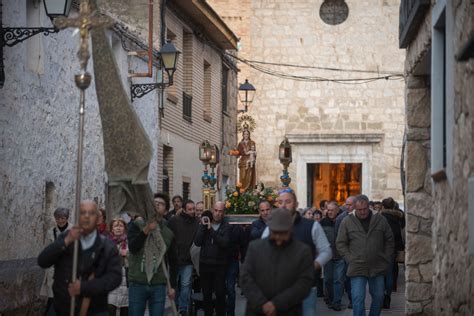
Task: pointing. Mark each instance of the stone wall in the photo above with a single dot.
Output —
(419, 212)
(453, 275)
(439, 266)
(38, 132)
(292, 32)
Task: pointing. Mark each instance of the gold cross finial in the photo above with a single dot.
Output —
(85, 21)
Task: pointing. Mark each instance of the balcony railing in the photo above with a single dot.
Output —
(412, 13)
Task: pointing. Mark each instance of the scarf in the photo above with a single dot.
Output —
(154, 252)
(119, 240)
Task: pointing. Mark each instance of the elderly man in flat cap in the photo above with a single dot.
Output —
(278, 271)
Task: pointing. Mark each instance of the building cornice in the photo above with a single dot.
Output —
(335, 138)
(204, 15)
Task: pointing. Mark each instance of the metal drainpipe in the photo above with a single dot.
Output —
(163, 42)
(163, 22)
(149, 52)
(2, 67)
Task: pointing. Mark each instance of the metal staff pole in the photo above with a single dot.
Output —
(83, 81)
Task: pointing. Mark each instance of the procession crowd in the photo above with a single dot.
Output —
(282, 262)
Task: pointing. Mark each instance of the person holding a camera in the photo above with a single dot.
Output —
(213, 236)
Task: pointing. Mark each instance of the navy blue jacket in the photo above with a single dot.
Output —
(302, 231)
(257, 228)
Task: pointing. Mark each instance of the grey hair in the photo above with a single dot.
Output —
(361, 198)
(333, 203)
(61, 212)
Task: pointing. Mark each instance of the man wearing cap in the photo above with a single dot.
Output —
(278, 272)
(312, 234)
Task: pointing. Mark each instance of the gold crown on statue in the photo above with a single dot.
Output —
(246, 123)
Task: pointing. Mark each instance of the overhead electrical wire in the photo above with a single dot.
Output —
(263, 67)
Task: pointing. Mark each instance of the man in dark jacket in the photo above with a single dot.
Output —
(311, 233)
(259, 225)
(332, 284)
(365, 240)
(236, 252)
(277, 274)
(99, 269)
(340, 266)
(213, 236)
(396, 220)
(177, 201)
(184, 227)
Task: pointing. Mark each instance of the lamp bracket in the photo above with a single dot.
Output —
(15, 35)
(139, 90)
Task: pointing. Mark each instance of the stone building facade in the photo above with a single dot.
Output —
(330, 125)
(439, 160)
(39, 122)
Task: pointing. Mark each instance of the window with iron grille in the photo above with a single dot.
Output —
(166, 181)
(186, 190)
(225, 75)
(167, 168)
(187, 106)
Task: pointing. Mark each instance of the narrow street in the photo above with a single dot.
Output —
(397, 305)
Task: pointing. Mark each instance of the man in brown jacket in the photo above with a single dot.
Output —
(365, 241)
(278, 271)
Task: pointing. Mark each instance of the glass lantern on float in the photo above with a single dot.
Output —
(213, 163)
(285, 156)
(205, 157)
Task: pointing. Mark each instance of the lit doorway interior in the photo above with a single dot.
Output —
(333, 181)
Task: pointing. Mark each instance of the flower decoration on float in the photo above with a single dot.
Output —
(239, 201)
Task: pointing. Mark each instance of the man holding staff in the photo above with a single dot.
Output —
(99, 269)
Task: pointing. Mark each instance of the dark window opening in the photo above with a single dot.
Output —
(186, 190)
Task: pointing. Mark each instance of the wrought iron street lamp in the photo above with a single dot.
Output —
(169, 58)
(57, 8)
(285, 156)
(168, 55)
(246, 94)
(10, 36)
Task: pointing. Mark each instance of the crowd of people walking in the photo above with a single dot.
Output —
(282, 262)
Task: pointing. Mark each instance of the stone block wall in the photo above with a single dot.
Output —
(453, 268)
(439, 267)
(419, 208)
(291, 32)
